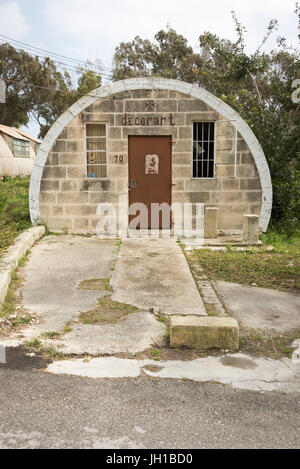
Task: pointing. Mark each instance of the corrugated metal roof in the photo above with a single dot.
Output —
(25, 134)
(12, 132)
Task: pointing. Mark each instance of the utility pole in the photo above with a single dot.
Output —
(2, 92)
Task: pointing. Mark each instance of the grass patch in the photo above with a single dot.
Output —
(275, 265)
(50, 335)
(14, 209)
(154, 353)
(49, 351)
(95, 284)
(68, 328)
(267, 345)
(107, 312)
(12, 316)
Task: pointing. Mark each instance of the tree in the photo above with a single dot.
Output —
(35, 88)
(258, 86)
(87, 82)
(169, 56)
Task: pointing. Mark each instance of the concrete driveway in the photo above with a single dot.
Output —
(56, 266)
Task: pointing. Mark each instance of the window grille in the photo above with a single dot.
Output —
(203, 149)
(96, 150)
(21, 148)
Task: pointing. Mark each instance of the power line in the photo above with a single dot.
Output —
(68, 67)
(51, 89)
(54, 54)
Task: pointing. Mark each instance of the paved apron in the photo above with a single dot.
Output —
(153, 273)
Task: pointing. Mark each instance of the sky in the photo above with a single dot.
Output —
(92, 29)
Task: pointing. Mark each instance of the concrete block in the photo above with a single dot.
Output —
(200, 116)
(73, 146)
(183, 146)
(186, 132)
(99, 117)
(108, 105)
(66, 159)
(54, 172)
(246, 171)
(227, 144)
(229, 184)
(69, 186)
(191, 105)
(204, 332)
(60, 224)
(199, 197)
(47, 198)
(57, 210)
(251, 229)
(231, 196)
(165, 105)
(59, 146)
(199, 185)
(71, 133)
(72, 198)
(52, 160)
(115, 133)
(158, 94)
(10, 260)
(141, 94)
(224, 170)
(51, 185)
(250, 184)
(4, 284)
(76, 172)
(252, 196)
(242, 145)
(211, 221)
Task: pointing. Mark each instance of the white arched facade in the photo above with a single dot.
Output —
(153, 83)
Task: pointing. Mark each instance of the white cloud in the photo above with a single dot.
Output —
(12, 21)
(97, 27)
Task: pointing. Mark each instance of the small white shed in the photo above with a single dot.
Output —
(17, 151)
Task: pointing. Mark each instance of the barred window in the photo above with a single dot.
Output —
(96, 150)
(21, 148)
(204, 150)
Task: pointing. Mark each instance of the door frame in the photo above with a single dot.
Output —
(170, 170)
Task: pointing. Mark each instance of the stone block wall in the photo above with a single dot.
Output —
(69, 200)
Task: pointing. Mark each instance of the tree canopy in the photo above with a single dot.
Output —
(258, 86)
(35, 88)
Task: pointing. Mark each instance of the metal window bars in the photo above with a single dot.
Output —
(203, 149)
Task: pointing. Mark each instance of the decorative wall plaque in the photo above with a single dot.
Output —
(152, 164)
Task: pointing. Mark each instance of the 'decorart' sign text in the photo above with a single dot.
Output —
(147, 121)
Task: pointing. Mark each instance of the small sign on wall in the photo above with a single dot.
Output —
(152, 164)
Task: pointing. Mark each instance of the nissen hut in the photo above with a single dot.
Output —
(150, 141)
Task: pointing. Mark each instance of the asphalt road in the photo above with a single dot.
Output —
(39, 410)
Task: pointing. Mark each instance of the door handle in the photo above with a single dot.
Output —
(132, 184)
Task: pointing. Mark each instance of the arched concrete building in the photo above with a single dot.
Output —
(150, 140)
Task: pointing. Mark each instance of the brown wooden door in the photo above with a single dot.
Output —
(150, 176)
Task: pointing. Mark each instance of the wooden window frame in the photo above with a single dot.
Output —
(86, 150)
(21, 142)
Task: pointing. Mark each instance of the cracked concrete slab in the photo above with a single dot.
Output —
(261, 308)
(153, 273)
(56, 266)
(238, 370)
(135, 333)
(50, 290)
